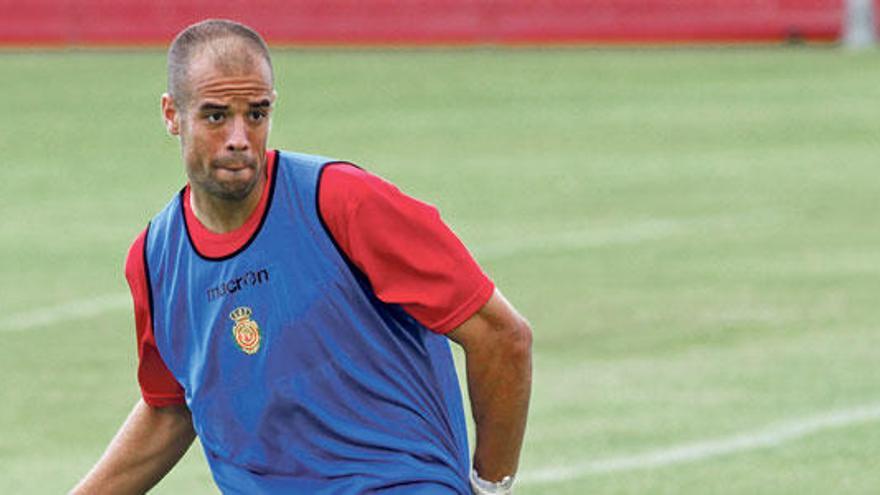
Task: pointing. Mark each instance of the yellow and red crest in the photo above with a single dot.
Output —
(245, 331)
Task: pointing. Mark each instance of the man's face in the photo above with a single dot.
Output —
(223, 125)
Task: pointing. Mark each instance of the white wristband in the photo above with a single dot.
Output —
(482, 487)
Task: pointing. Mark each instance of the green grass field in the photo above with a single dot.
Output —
(693, 234)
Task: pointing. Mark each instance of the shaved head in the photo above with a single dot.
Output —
(230, 46)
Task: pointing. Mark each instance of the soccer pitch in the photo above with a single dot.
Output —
(692, 233)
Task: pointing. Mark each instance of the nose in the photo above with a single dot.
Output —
(237, 140)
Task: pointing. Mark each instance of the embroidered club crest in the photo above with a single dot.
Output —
(245, 331)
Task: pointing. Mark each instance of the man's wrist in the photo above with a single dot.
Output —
(482, 487)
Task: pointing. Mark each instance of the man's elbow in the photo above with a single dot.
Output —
(519, 339)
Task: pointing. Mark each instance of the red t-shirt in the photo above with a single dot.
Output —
(409, 255)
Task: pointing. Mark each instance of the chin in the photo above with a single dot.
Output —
(238, 193)
(229, 191)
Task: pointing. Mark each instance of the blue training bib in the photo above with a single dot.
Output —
(298, 378)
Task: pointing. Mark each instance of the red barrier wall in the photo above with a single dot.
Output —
(425, 21)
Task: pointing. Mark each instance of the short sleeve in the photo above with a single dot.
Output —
(159, 388)
(403, 247)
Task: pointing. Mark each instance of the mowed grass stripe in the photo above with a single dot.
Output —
(74, 310)
(583, 238)
(772, 436)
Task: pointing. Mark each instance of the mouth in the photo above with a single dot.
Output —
(234, 165)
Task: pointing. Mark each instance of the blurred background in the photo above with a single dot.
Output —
(409, 22)
(680, 195)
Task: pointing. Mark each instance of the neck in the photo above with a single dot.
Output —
(222, 215)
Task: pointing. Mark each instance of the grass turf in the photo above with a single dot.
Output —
(691, 232)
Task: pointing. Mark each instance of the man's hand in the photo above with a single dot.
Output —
(497, 342)
(148, 445)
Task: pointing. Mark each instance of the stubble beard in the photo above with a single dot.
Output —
(237, 190)
(230, 190)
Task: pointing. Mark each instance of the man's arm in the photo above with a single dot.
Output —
(497, 342)
(148, 445)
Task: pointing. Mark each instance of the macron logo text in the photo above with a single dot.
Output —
(249, 279)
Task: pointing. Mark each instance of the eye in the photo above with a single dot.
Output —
(257, 115)
(215, 117)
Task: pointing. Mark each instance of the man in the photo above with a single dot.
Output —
(292, 311)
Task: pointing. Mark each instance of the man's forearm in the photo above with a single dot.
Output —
(499, 383)
(148, 445)
(497, 342)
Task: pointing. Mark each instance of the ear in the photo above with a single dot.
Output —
(171, 115)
